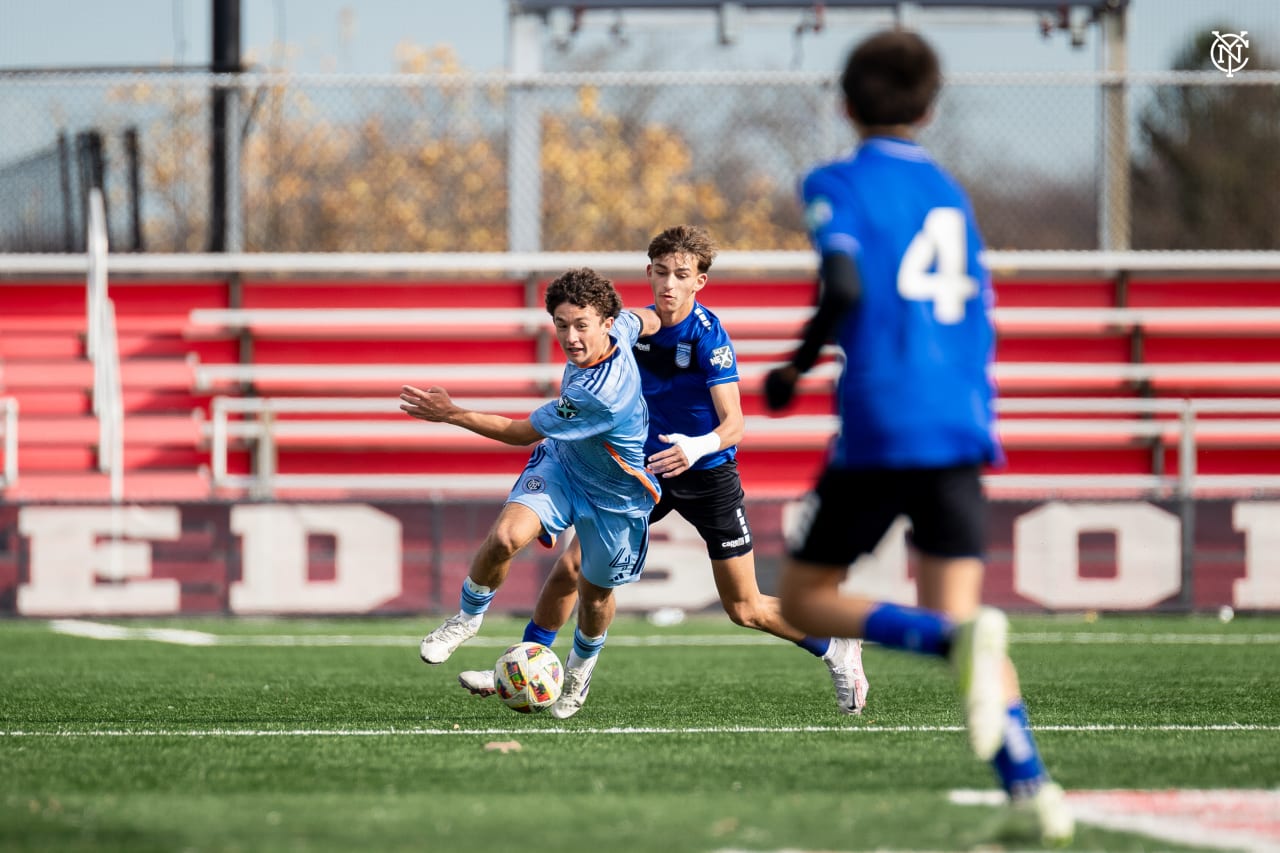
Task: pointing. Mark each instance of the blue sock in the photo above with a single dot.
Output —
(535, 633)
(911, 628)
(816, 646)
(1017, 764)
(475, 598)
(587, 647)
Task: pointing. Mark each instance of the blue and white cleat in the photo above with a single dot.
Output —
(577, 682)
(437, 646)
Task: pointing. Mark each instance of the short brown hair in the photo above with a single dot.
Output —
(685, 240)
(585, 288)
(891, 78)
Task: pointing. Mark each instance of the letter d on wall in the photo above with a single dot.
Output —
(1046, 555)
(274, 559)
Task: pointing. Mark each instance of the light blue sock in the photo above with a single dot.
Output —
(535, 633)
(1017, 764)
(584, 647)
(475, 598)
(816, 646)
(914, 629)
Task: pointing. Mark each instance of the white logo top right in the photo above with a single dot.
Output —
(1227, 51)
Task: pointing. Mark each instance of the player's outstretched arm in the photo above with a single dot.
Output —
(435, 405)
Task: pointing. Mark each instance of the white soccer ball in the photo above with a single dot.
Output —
(528, 677)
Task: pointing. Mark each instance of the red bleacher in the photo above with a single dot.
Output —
(184, 343)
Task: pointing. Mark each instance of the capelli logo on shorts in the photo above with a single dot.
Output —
(534, 484)
(734, 543)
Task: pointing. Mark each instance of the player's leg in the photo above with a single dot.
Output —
(712, 501)
(516, 527)
(558, 596)
(747, 606)
(949, 533)
(555, 605)
(614, 548)
(539, 503)
(596, 609)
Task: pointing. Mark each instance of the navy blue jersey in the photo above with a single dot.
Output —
(678, 366)
(916, 389)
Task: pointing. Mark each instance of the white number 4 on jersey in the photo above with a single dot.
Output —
(934, 267)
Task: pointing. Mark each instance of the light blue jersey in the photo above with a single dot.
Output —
(915, 391)
(679, 365)
(589, 471)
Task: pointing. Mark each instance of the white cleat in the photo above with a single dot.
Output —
(978, 652)
(577, 682)
(844, 661)
(479, 681)
(437, 646)
(1052, 815)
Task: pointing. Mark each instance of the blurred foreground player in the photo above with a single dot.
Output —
(904, 293)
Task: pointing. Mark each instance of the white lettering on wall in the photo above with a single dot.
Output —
(96, 561)
(1260, 586)
(367, 563)
(1046, 555)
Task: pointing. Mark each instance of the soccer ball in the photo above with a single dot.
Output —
(528, 677)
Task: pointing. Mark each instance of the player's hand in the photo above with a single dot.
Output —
(780, 387)
(669, 462)
(433, 404)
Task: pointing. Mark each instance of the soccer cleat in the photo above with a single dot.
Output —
(1048, 808)
(440, 643)
(479, 681)
(844, 660)
(577, 682)
(978, 651)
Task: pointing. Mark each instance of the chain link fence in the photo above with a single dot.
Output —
(595, 161)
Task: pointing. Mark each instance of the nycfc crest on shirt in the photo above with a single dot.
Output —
(684, 354)
(722, 357)
(566, 409)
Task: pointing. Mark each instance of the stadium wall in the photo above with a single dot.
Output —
(410, 557)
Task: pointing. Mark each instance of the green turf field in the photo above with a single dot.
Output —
(299, 735)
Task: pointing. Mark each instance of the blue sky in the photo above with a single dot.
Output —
(361, 36)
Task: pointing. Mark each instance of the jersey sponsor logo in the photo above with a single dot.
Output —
(684, 354)
(722, 357)
(566, 409)
(817, 214)
(534, 484)
(641, 347)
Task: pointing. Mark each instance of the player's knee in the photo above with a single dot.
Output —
(744, 613)
(503, 544)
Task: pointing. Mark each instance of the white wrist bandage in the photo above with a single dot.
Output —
(695, 446)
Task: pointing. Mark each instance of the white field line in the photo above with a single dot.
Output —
(1224, 819)
(528, 732)
(178, 636)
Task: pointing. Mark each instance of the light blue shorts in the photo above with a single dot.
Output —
(614, 542)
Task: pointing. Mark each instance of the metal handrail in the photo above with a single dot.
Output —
(1170, 419)
(9, 433)
(103, 351)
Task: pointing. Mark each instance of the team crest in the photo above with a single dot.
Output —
(534, 484)
(566, 409)
(722, 357)
(684, 354)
